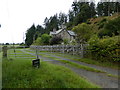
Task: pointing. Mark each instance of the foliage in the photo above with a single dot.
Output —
(111, 28)
(56, 40)
(107, 8)
(83, 32)
(62, 19)
(45, 38)
(30, 35)
(66, 41)
(51, 23)
(73, 42)
(38, 41)
(39, 31)
(105, 49)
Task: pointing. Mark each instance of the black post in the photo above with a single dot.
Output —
(36, 52)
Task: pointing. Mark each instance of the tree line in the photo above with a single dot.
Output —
(80, 12)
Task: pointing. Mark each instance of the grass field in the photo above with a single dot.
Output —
(19, 73)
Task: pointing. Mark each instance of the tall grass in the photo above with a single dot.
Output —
(21, 74)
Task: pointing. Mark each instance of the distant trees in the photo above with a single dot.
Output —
(30, 35)
(81, 11)
(108, 8)
(51, 23)
(33, 33)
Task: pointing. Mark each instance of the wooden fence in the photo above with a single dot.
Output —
(70, 49)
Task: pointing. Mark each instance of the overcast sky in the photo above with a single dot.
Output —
(16, 16)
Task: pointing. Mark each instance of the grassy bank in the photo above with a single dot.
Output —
(20, 74)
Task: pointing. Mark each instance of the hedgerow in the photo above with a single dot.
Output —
(105, 49)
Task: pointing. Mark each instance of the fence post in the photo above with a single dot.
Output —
(4, 49)
(82, 51)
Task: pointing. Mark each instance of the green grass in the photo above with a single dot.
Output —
(20, 74)
(110, 75)
(87, 60)
(104, 64)
(16, 51)
(81, 66)
(23, 55)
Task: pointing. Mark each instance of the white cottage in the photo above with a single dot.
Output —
(64, 34)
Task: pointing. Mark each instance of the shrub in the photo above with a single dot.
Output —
(105, 49)
(113, 26)
(65, 41)
(45, 38)
(56, 40)
(102, 23)
(104, 32)
(73, 42)
(110, 28)
(38, 41)
(83, 31)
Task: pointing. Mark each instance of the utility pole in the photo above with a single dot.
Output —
(108, 7)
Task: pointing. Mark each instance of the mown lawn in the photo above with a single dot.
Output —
(19, 73)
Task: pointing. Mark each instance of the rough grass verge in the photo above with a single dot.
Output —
(82, 66)
(21, 74)
(87, 60)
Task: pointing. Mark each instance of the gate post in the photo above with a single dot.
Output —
(82, 51)
(4, 49)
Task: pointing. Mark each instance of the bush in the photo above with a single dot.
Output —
(105, 49)
(45, 38)
(113, 26)
(38, 41)
(102, 23)
(104, 32)
(83, 31)
(110, 28)
(65, 41)
(73, 42)
(56, 40)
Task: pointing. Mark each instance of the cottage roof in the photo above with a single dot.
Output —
(70, 32)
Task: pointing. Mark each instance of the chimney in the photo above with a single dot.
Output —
(54, 30)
